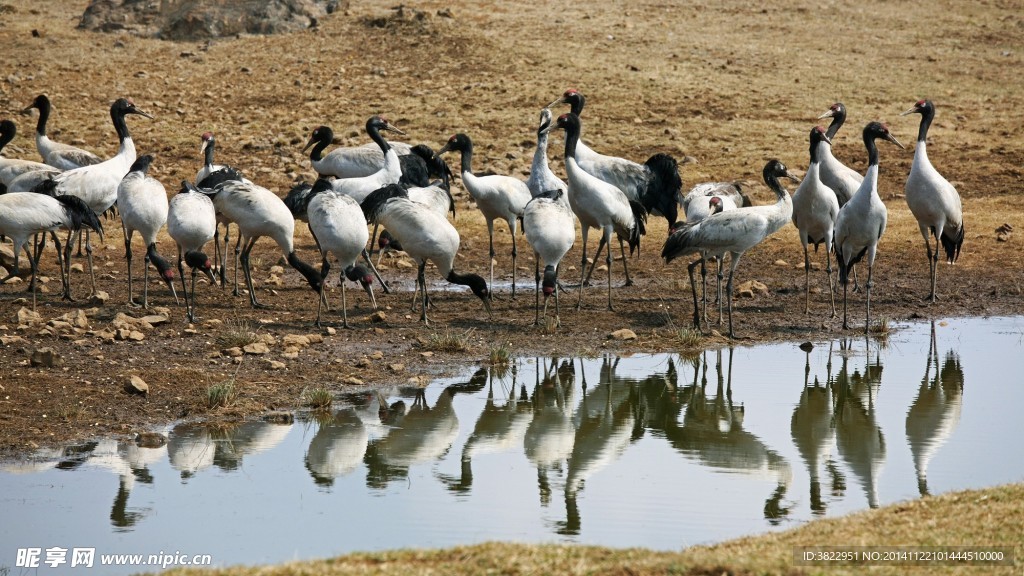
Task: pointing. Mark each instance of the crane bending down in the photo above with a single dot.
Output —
(191, 223)
(733, 232)
(143, 207)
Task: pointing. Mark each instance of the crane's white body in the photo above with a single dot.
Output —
(933, 201)
(359, 188)
(842, 180)
(64, 156)
(861, 222)
(550, 228)
(191, 221)
(257, 212)
(142, 203)
(433, 197)
(27, 180)
(339, 226)
(424, 234)
(97, 184)
(357, 162)
(815, 208)
(23, 214)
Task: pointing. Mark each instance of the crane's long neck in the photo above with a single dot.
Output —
(576, 104)
(467, 158)
(376, 137)
(927, 115)
(776, 186)
(6, 137)
(540, 155)
(815, 144)
(572, 138)
(44, 116)
(121, 126)
(837, 122)
(869, 143)
(208, 154)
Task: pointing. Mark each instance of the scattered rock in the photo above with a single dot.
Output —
(77, 267)
(232, 352)
(623, 334)
(751, 287)
(121, 333)
(256, 348)
(136, 385)
(396, 367)
(45, 358)
(277, 270)
(136, 336)
(426, 354)
(77, 318)
(378, 317)
(26, 316)
(331, 331)
(275, 364)
(150, 440)
(377, 355)
(154, 319)
(363, 363)
(9, 340)
(290, 355)
(315, 338)
(295, 341)
(782, 264)
(99, 298)
(352, 381)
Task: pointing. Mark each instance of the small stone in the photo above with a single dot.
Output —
(363, 363)
(99, 298)
(14, 280)
(122, 320)
(290, 355)
(9, 340)
(396, 367)
(331, 331)
(276, 365)
(154, 320)
(602, 268)
(315, 338)
(378, 317)
(136, 385)
(744, 293)
(136, 336)
(623, 334)
(45, 358)
(379, 331)
(232, 352)
(295, 341)
(122, 333)
(426, 354)
(277, 270)
(150, 440)
(268, 339)
(377, 355)
(782, 264)
(352, 381)
(77, 267)
(77, 318)
(256, 348)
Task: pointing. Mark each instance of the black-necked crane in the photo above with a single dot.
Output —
(60, 156)
(191, 223)
(542, 179)
(259, 212)
(23, 214)
(338, 224)
(97, 184)
(550, 228)
(425, 235)
(142, 202)
(354, 162)
(11, 168)
(390, 171)
(599, 204)
(933, 201)
(815, 208)
(733, 232)
(496, 195)
(843, 181)
(861, 221)
(655, 184)
(207, 148)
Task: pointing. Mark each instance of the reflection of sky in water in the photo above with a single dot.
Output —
(656, 451)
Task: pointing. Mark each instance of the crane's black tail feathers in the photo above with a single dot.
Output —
(639, 225)
(679, 243)
(739, 190)
(952, 244)
(80, 213)
(298, 198)
(374, 204)
(664, 187)
(218, 177)
(48, 187)
(844, 267)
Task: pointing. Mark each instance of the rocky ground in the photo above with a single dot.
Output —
(729, 85)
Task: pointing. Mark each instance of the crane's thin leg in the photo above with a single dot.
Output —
(718, 287)
(536, 290)
(846, 324)
(145, 281)
(626, 268)
(244, 257)
(693, 289)
(867, 308)
(583, 266)
(319, 307)
(558, 315)
(60, 260)
(88, 251)
(703, 290)
(828, 272)
(34, 262)
(807, 278)
(181, 273)
(421, 278)
(490, 240)
(218, 254)
(608, 262)
(67, 266)
(512, 228)
(237, 250)
(734, 260)
(344, 304)
(594, 265)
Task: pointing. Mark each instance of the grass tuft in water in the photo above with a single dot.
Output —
(689, 337)
(881, 329)
(317, 398)
(500, 355)
(236, 333)
(448, 341)
(221, 394)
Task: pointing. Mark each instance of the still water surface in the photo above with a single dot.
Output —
(660, 451)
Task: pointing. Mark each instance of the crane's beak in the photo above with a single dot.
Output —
(142, 113)
(308, 144)
(825, 138)
(559, 100)
(487, 306)
(393, 128)
(893, 139)
(444, 149)
(828, 114)
(793, 178)
(368, 288)
(911, 111)
(209, 274)
(546, 129)
(205, 145)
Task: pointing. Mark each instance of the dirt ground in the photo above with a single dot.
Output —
(730, 84)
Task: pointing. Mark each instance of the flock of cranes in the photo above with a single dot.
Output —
(406, 189)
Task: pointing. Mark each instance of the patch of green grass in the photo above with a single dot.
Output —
(500, 355)
(221, 394)
(236, 333)
(317, 398)
(689, 337)
(448, 341)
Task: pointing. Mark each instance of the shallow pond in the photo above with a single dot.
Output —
(660, 451)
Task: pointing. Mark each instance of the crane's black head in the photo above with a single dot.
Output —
(818, 135)
(922, 107)
(321, 135)
(548, 285)
(574, 98)
(476, 283)
(459, 143)
(206, 142)
(715, 205)
(878, 130)
(142, 163)
(7, 132)
(124, 106)
(378, 123)
(40, 103)
(359, 274)
(774, 170)
(386, 240)
(837, 111)
(200, 261)
(321, 185)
